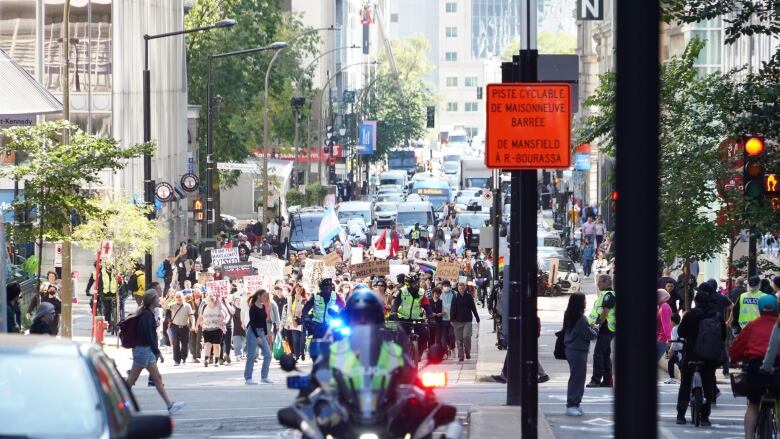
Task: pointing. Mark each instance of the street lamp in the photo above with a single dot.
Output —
(148, 183)
(211, 216)
(278, 46)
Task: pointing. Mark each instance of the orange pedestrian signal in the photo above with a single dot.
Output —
(197, 204)
(754, 146)
(197, 208)
(771, 184)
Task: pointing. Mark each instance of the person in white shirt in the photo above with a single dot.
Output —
(600, 265)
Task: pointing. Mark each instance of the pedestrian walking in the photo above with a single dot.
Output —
(664, 323)
(48, 295)
(257, 336)
(602, 316)
(196, 332)
(578, 334)
(675, 350)
(181, 322)
(587, 258)
(146, 352)
(461, 312)
(13, 312)
(212, 321)
(294, 321)
(239, 330)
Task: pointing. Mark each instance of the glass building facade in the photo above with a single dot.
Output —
(494, 25)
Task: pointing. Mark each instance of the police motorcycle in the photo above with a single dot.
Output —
(363, 386)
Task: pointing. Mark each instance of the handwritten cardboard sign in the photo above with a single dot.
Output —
(219, 287)
(448, 270)
(204, 277)
(332, 259)
(367, 269)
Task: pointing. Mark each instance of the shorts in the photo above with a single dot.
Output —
(143, 356)
(213, 336)
(757, 383)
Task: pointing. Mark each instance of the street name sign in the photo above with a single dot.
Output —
(528, 126)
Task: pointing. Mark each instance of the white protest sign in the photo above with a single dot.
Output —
(272, 269)
(254, 283)
(219, 287)
(222, 256)
(396, 269)
(357, 255)
(313, 273)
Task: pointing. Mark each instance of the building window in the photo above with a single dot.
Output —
(394, 18)
(470, 81)
(471, 107)
(452, 106)
(451, 56)
(452, 32)
(451, 7)
(471, 132)
(452, 81)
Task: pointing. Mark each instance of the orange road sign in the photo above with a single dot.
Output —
(528, 126)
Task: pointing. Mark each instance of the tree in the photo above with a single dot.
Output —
(742, 17)
(125, 224)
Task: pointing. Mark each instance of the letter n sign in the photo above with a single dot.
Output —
(590, 9)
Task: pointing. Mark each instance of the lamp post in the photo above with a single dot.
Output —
(148, 182)
(266, 141)
(211, 214)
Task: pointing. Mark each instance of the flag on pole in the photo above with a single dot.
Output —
(330, 229)
(394, 244)
(381, 241)
(460, 246)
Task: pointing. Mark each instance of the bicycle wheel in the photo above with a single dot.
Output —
(413, 352)
(765, 427)
(697, 401)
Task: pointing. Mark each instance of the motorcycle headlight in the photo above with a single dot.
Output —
(369, 436)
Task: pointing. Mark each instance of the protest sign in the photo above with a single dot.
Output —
(448, 270)
(403, 242)
(313, 273)
(220, 287)
(254, 283)
(332, 259)
(357, 256)
(271, 268)
(237, 271)
(396, 269)
(205, 276)
(287, 270)
(222, 256)
(366, 269)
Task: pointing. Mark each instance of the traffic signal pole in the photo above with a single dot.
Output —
(636, 125)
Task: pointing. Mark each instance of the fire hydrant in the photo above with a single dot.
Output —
(99, 329)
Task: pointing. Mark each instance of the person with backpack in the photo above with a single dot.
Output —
(140, 333)
(755, 347)
(137, 283)
(705, 333)
(578, 333)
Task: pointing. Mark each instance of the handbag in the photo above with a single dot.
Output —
(278, 350)
(560, 350)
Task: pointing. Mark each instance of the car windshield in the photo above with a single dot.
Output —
(47, 396)
(387, 181)
(457, 138)
(548, 241)
(478, 181)
(408, 219)
(474, 221)
(385, 207)
(451, 166)
(391, 197)
(309, 230)
(564, 265)
(345, 215)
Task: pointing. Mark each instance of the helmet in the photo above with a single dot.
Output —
(411, 278)
(364, 307)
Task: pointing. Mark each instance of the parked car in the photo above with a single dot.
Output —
(568, 278)
(385, 213)
(305, 229)
(57, 388)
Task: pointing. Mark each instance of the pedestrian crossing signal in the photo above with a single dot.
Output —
(197, 208)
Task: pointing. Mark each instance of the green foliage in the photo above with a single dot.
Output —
(30, 265)
(123, 223)
(295, 197)
(549, 43)
(240, 80)
(742, 17)
(740, 266)
(398, 104)
(54, 172)
(315, 193)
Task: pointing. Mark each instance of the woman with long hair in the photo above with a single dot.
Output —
(212, 321)
(257, 335)
(146, 351)
(294, 321)
(577, 337)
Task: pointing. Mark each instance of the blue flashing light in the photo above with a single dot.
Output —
(345, 331)
(336, 323)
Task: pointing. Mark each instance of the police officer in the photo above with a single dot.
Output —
(415, 234)
(603, 317)
(323, 307)
(746, 308)
(408, 307)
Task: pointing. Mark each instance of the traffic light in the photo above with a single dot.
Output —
(753, 171)
(430, 116)
(197, 208)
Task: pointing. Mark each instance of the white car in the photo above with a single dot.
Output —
(385, 213)
(568, 277)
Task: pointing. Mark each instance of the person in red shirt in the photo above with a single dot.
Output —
(750, 346)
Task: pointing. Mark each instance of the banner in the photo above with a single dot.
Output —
(271, 268)
(367, 269)
(448, 270)
(357, 256)
(220, 287)
(367, 137)
(237, 271)
(254, 283)
(222, 256)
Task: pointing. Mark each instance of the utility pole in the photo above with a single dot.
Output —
(67, 281)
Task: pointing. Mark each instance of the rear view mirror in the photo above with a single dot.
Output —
(149, 427)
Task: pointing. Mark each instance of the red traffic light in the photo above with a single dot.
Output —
(614, 196)
(754, 146)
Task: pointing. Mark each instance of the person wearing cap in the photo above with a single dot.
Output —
(43, 319)
(746, 309)
(753, 347)
(689, 328)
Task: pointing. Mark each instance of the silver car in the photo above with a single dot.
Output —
(385, 213)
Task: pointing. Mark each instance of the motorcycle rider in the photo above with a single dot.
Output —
(323, 306)
(409, 308)
(343, 362)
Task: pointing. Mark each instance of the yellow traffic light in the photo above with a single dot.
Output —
(754, 146)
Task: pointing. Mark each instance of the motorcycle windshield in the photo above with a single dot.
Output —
(366, 343)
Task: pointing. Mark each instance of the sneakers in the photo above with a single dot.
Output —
(250, 382)
(705, 423)
(573, 411)
(543, 378)
(498, 379)
(680, 420)
(195, 360)
(670, 381)
(175, 364)
(266, 381)
(175, 407)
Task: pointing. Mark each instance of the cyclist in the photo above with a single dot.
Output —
(750, 346)
(705, 332)
(408, 307)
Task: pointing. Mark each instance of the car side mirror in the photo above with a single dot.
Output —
(149, 427)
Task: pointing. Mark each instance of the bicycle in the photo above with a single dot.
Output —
(766, 427)
(415, 352)
(697, 393)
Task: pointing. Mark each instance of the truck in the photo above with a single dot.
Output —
(404, 160)
(474, 174)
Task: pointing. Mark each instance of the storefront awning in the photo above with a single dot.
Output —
(21, 93)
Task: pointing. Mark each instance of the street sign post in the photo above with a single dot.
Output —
(528, 126)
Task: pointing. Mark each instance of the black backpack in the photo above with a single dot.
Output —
(128, 329)
(132, 283)
(709, 344)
